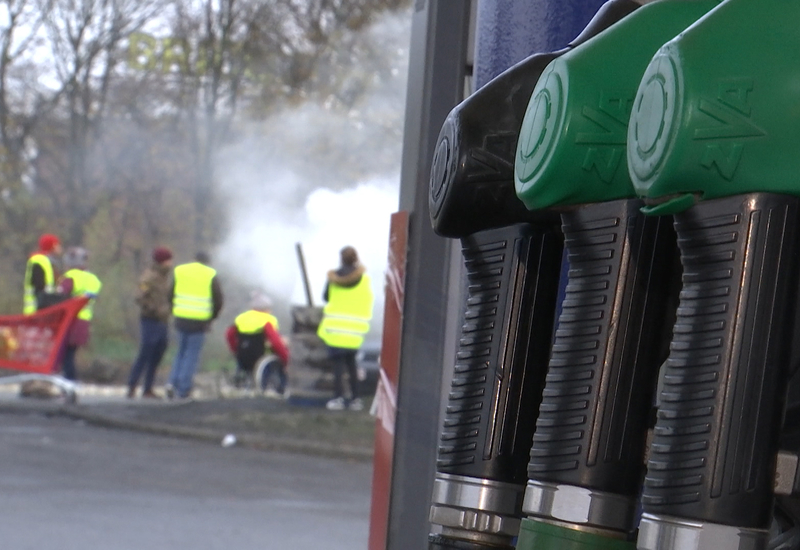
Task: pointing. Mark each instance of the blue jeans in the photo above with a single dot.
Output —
(151, 350)
(190, 344)
(275, 369)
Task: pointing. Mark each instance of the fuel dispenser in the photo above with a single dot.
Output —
(512, 259)
(586, 462)
(712, 140)
(587, 457)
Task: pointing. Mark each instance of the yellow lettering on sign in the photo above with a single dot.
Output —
(175, 55)
(142, 51)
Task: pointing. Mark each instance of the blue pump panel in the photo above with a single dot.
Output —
(508, 31)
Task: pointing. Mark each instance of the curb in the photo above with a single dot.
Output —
(79, 412)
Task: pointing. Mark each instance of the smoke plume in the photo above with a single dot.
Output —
(324, 174)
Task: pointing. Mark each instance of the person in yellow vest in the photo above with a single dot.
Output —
(196, 301)
(345, 323)
(41, 274)
(75, 282)
(254, 334)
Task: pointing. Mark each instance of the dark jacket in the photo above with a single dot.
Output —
(38, 282)
(37, 273)
(153, 295)
(193, 325)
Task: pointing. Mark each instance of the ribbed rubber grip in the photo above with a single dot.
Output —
(610, 341)
(502, 355)
(713, 452)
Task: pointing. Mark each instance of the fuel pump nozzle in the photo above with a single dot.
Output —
(587, 457)
(513, 262)
(712, 141)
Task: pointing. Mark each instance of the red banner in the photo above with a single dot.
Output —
(33, 342)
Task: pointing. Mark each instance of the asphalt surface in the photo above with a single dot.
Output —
(253, 420)
(70, 484)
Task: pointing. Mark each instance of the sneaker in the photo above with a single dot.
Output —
(337, 404)
(356, 405)
(169, 390)
(131, 392)
(150, 394)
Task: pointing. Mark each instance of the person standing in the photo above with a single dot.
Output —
(155, 307)
(41, 274)
(196, 299)
(76, 282)
(345, 323)
(253, 334)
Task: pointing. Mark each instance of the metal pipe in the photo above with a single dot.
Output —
(306, 285)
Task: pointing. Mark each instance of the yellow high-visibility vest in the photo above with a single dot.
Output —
(346, 316)
(253, 321)
(29, 298)
(84, 283)
(193, 298)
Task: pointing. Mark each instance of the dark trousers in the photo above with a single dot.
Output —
(153, 344)
(249, 350)
(68, 363)
(344, 360)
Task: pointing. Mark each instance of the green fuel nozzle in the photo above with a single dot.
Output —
(576, 125)
(711, 141)
(586, 461)
(717, 108)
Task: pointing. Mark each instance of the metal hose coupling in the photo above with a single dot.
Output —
(670, 533)
(579, 507)
(474, 509)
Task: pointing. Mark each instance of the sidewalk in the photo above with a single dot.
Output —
(300, 424)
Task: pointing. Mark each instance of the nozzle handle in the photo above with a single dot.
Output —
(504, 345)
(716, 436)
(608, 346)
(472, 172)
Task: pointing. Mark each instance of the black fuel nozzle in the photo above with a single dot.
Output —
(513, 263)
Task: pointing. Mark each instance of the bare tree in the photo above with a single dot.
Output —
(98, 146)
(22, 104)
(255, 54)
(85, 39)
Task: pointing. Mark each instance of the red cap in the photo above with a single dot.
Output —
(161, 254)
(48, 242)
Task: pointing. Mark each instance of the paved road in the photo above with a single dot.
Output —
(67, 485)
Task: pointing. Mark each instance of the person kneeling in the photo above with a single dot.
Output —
(253, 334)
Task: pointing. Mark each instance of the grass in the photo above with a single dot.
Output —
(113, 355)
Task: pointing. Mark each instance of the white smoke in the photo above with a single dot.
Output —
(358, 217)
(324, 175)
(261, 248)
